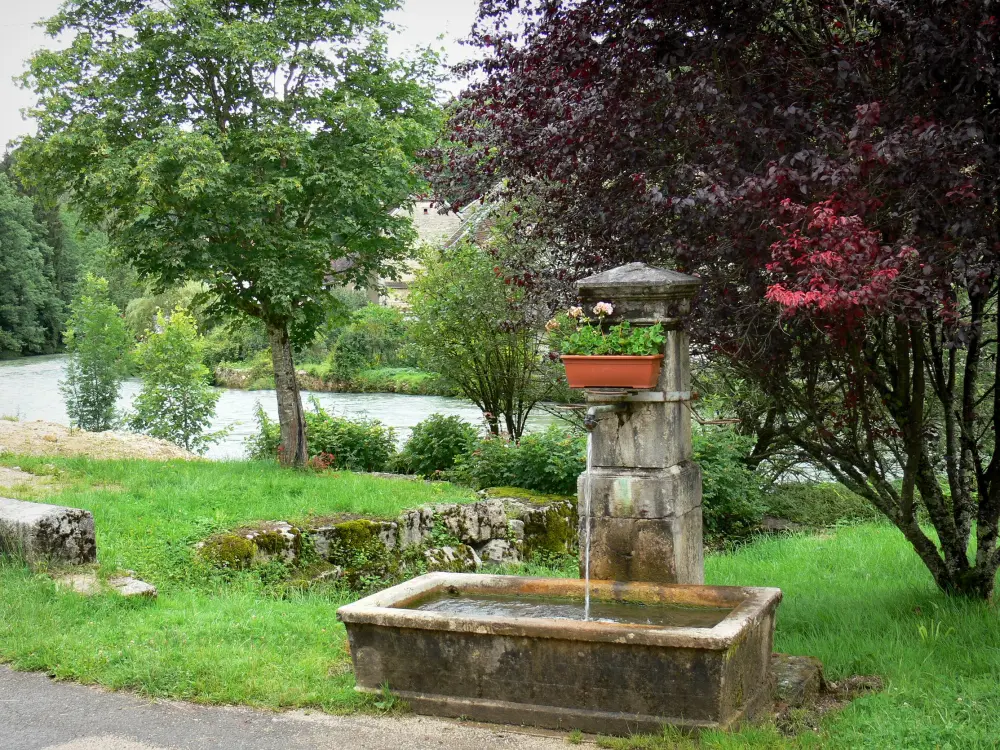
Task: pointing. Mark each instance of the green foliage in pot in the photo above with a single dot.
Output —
(574, 333)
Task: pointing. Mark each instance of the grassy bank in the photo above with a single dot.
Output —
(856, 597)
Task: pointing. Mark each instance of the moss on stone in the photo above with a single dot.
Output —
(270, 542)
(357, 533)
(551, 531)
(357, 548)
(229, 551)
(528, 496)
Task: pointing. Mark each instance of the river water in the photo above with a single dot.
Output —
(29, 389)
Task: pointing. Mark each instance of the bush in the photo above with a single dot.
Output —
(356, 445)
(819, 504)
(732, 499)
(547, 462)
(435, 444)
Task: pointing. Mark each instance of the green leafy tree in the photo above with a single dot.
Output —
(481, 331)
(30, 312)
(98, 345)
(176, 402)
(259, 148)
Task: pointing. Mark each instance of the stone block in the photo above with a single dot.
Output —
(357, 533)
(545, 526)
(646, 436)
(337, 542)
(798, 680)
(415, 527)
(664, 493)
(458, 559)
(661, 550)
(474, 523)
(276, 540)
(499, 551)
(130, 587)
(39, 532)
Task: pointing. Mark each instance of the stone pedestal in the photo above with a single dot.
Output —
(641, 496)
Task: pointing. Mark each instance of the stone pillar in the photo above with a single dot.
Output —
(642, 494)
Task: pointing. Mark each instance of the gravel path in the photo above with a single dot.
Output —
(37, 713)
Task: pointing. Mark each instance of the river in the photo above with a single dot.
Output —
(29, 389)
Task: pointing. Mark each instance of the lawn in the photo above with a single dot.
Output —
(856, 597)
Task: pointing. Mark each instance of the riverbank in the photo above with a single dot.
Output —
(317, 378)
(29, 390)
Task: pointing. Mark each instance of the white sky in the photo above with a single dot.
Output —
(420, 22)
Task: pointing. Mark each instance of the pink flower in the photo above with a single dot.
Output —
(575, 312)
(603, 308)
(552, 325)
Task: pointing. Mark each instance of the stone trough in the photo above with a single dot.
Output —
(595, 676)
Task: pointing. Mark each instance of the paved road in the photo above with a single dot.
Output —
(37, 713)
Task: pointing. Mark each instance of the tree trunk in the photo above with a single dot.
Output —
(293, 450)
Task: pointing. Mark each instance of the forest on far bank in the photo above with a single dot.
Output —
(44, 253)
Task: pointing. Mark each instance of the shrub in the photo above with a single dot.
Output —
(548, 461)
(434, 445)
(819, 504)
(356, 445)
(176, 402)
(98, 345)
(732, 500)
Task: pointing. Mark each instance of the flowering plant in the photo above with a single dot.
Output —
(574, 333)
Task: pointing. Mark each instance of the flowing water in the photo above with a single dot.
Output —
(29, 389)
(565, 608)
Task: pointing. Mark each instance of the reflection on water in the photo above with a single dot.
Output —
(29, 389)
(564, 608)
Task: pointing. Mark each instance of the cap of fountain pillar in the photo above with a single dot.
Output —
(640, 293)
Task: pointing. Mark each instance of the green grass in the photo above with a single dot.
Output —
(232, 638)
(859, 599)
(856, 597)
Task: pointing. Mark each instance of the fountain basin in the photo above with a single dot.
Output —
(553, 671)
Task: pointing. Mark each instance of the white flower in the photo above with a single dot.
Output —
(575, 312)
(603, 308)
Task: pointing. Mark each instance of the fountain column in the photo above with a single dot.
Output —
(641, 494)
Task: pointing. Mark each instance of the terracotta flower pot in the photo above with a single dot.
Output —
(601, 371)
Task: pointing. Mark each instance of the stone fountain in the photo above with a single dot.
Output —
(639, 641)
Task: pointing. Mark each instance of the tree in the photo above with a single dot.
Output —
(830, 170)
(480, 330)
(98, 346)
(28, 306)
(240, 143)
(176, 402)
